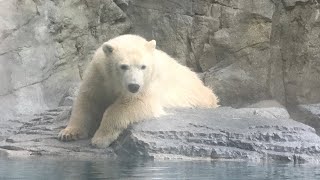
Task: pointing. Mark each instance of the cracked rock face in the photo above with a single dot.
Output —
(224, 133)
(247, 51)
(294, 72)
(45, 46)
(255, 134)
(37, 136)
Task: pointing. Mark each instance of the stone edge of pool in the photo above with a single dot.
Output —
(250, 134)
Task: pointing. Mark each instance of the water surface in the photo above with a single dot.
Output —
(111, 169)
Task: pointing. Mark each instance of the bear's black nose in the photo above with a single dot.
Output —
(133, 88)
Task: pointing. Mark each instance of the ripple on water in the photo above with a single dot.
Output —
(223, 170)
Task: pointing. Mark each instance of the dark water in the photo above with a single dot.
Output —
(71, 169)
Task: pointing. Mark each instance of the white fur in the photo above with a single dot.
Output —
(104, 94)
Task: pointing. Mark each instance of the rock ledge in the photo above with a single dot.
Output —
(224, 133)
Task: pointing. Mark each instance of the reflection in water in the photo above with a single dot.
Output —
(71, 169)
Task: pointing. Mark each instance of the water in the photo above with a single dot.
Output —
(72, 169)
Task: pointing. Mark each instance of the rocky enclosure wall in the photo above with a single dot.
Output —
(247, 50)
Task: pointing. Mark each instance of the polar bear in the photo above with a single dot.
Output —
(129, 80)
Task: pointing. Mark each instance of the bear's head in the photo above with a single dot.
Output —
(132, 62)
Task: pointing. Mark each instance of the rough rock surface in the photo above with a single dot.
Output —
(295, 52)
(247, 50)
(45, 46)
(224, 133)
(37, 136)
(308, 114)
(221, 134)
(313, 110)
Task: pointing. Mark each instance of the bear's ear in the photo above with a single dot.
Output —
(151, 45)
(107, 48)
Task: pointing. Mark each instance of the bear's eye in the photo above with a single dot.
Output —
(124, 67)
(143, 67)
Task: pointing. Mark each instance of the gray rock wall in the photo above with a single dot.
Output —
(45, 46)
(247, 50)
(294, 75)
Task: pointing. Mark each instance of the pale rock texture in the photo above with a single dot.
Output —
(45, 46)
(223, 133)
(252, 134)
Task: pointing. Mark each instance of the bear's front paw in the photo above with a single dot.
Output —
(71, 134)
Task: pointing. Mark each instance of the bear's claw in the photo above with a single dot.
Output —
(68, 137)
(70, 134)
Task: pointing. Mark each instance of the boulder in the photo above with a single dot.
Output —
(255, 134)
